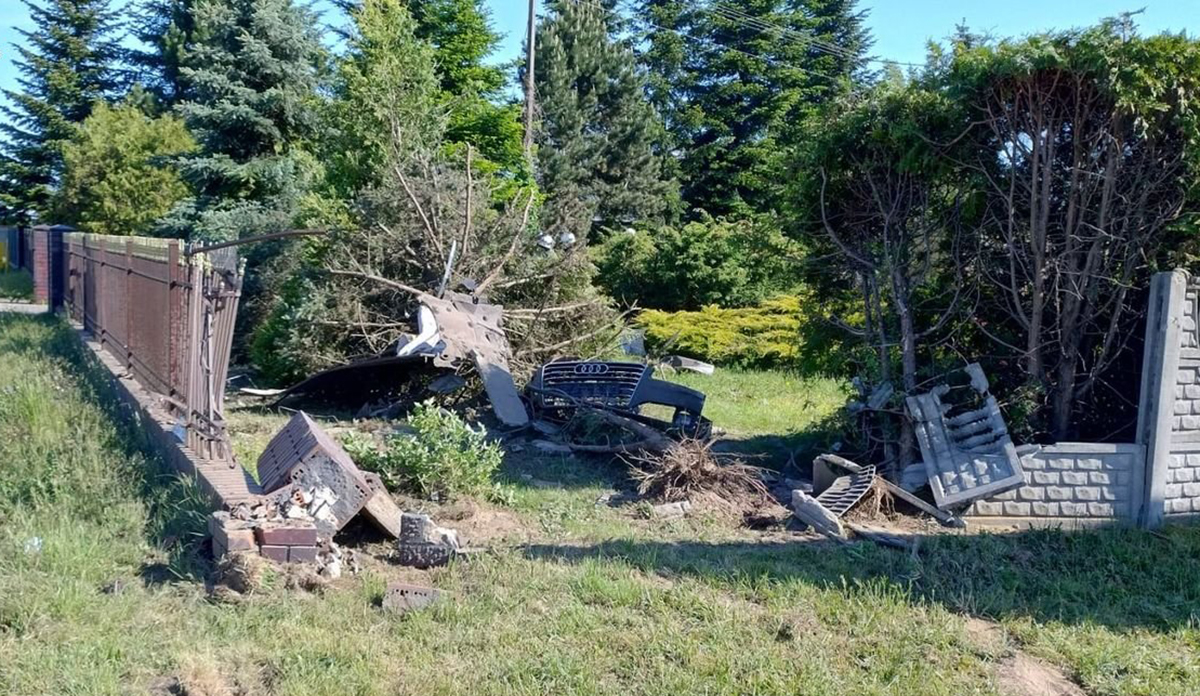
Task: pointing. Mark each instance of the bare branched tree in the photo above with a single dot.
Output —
(1079, 190)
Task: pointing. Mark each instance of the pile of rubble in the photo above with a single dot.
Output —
(314, 491)
(967, 456)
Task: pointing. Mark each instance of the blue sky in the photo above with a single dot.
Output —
(901, 27)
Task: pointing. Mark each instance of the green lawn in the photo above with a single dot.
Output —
(595, 600)
(16, 285)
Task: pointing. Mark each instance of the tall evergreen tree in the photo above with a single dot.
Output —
(462, 37)
(165, 27)
(249, 78)
(598, 159)
(66, 66)
(736, 92)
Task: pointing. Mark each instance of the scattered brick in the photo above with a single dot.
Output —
(279, 554)
(296, 533)
(302, 554)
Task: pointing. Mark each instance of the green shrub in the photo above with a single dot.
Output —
(733, 263)
(442, 457)
(784, 332)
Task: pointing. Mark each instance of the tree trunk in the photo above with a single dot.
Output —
(908, 359)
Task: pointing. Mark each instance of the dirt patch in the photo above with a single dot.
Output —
(986, 636)
(1018, 673)
(482, 525)
(1025, 675)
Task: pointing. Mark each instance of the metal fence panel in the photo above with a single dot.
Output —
(168, 315)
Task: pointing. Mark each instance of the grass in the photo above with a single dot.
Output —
(16, 285)
(600, 601)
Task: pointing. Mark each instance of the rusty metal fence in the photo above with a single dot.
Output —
(167, 312)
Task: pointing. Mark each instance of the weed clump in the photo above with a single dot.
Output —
(442, 457)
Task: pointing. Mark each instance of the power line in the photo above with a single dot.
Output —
(763, 26)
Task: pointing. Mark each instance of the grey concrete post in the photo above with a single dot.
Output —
(1156, 406)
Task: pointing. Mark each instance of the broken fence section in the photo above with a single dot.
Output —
(167, 315)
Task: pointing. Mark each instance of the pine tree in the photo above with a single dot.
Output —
(385, 93)
(462, 37)
(249, 79)
(66, 66)
(598, 156)
(165, 27)
(736, 93)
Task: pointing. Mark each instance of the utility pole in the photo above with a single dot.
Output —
(530, 105)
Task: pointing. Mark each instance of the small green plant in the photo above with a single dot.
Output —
(442, 457)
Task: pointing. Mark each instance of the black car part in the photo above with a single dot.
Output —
(623, 387)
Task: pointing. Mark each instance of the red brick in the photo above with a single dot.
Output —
(230, 535)
(239, 540)
(302, 554)
(279, 554)
(291, 535)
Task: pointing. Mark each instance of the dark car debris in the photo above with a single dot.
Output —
(559, 387)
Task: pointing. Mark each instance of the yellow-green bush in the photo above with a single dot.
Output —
(784, 332)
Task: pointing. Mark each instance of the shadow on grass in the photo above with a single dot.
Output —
(1117, 577)
(177, 508)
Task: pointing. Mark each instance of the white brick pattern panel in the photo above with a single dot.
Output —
(1182, 493)
(1072, 480)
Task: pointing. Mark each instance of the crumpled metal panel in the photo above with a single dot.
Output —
(472, 330)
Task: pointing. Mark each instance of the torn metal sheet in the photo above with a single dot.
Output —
(472, 330)
(380, 378)
(965, 443)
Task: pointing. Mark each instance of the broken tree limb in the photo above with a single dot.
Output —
(652, 440)
(376, 279)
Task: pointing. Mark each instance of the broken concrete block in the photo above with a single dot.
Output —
(380, 507)
(423, 544)
(966, 447)
(809, 511)
(304, 455)
(401, 597)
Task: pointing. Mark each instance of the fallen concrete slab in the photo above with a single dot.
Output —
(966, 447)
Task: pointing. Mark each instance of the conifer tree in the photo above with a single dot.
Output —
(165, 27)
(248, 77)
(599, 159)
(67, 64)
(738, 82)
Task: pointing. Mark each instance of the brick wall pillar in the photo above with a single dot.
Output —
(39, 265)
(48, 263)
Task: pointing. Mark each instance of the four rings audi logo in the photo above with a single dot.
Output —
(591, 369)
